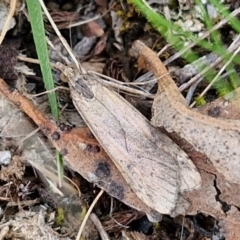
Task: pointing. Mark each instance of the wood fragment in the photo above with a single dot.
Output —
(99, 226)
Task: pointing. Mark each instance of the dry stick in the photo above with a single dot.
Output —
(32, 60)
(99, 226)
(126, 83)
(71, 25)
(50, 91)
(63, 40)
(164, 49)
(192, 90)
(52, 175)
(125, 88)
(24, 203)
(87, 214)
(199, 75)
(7, 24)
(110, 214)
(117, 85)
(28, 136)
(37, 116)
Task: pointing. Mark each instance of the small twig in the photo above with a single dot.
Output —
(164, 49)
(74, 184)
(87, 214)
(32, 60)
(235, 46)
(199, 75)
(110, 214)
(71, 25)
(49, 91)
(216, 77)
(7, 24)
(24, 203)
(192, 90)
(63, 40)
(128, 83)
(119, 85)
(126, 89)
(99, 226)
(182, 228)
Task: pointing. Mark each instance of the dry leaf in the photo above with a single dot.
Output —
(215, 193)
(91, 29)
(227, 107)
(16, 127)
(218, 139)
(93, 66)
(83, 47)
(100, 46)
(83, 153)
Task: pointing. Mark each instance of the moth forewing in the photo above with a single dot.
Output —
(146, 158)
(154, 181)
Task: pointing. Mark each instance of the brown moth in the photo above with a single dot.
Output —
(152, 164)
(218, 139)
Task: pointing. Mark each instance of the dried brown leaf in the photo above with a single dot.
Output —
(218, 139)
(91, 29)
(101, 45)
(216, 192)
(93, 66)
(83, 153)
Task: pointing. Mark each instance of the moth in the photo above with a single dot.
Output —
(157, 170)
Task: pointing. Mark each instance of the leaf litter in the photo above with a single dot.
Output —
(208, 173)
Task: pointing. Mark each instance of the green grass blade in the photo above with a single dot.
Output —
(36, 20)
(173, 35)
